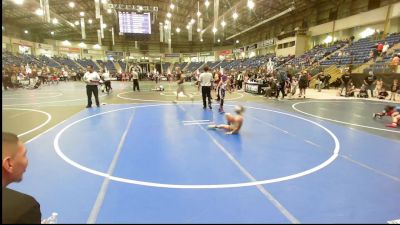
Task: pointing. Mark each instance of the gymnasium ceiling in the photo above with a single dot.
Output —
(23, 16)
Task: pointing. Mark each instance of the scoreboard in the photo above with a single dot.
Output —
(134, 23)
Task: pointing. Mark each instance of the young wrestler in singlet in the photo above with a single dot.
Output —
(392, 111)
(234, 123)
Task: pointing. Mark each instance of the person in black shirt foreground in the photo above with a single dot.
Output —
(17, 208)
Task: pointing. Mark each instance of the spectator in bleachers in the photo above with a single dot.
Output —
(394, 89)
(382, 94)
(395, 62)
(376, 53)
(385, 49)
(371, 54)
(379, 86)
(351, 88)
(379, 48)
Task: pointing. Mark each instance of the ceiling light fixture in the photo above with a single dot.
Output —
(39, 12)
(19, 2)
(25, 31)
(237, 41)
(214, 30)
(66, 43)
(169, 15)
(109, 11)
(192, 21)
(172, 6)
(178, 30)
(55, 21)
(71, 4)
(207, 3)
(82, 13)
(235, 15)
(223, 24)
(90, 21)
(77, 23)
(52, 33)
(250, 4)
(82, 45)
(198, 13)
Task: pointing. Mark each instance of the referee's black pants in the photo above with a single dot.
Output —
(206, 93)
(136, 84)
(92, 89)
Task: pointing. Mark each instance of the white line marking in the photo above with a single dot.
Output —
(38, 103)
(36, 128)
(312, 143)
(103, 190)
(28, 97)
(149, 100)
(262, 189)
(370, 168)
(44, 132)
(200, 186)
(199, 123)
(338, 121)
(273, 126)
(280, 129)
(193, 121)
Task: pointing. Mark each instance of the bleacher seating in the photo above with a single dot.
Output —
(165, 66)
(193, 66)
(122, 65)
(358, 52)
(86, 62)
(110, 66)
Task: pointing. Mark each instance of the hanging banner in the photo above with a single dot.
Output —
(97, 7)
(112, 35)
(114, 53)
(83, 28)
(189, 54)
(251, 47)
(216, 15)
(22, 42)
(43, 46)
(224, 52)
(190, 32)
(44, 4)
(101, 26)
(98, 37)
(206, 54)
(161, 32)
(66, 49)
(171, 55)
